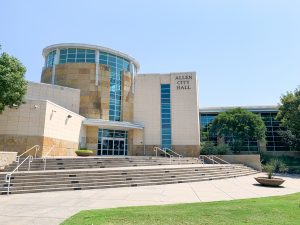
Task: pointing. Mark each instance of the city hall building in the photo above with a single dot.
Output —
(93, 97)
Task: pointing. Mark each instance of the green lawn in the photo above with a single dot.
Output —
(281, 210)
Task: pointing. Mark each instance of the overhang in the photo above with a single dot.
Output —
(112, 124)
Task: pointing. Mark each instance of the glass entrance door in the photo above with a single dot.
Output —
(113, 146)
(112, 142)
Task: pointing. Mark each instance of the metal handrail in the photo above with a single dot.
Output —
(8, 176)
(222, 160)
(156, 150)
(179, 156)
(45, 156)
(211, 158)
(37, 148)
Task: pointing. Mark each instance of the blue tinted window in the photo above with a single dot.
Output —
(77, 55)
(166, 134)
(165, 100)
(165, 106)
(166, 120)
(165, 110)
(165, 91)
(50, 59)
(116, 65)
(165, 86)
(165, 95)
(166, 116)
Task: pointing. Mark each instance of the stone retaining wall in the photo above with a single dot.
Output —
(252, 161)
(7, 158)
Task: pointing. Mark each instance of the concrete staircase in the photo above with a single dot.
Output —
(150, 171)
(97, 162)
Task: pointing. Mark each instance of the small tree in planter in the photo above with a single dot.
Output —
(271, 167)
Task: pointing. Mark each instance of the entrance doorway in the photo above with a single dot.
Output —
(112, 142)
(112, 146)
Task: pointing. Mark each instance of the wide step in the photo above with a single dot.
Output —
(60, 180)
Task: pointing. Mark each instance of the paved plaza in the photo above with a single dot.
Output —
(53, 207)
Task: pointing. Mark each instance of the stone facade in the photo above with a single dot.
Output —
(94, 99)
(20, 143)
(7, 158)
(43, 123)
(127, 98)
(249, 160)
(92, 139)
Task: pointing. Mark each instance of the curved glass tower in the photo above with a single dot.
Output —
(67, 64)
(105, 78)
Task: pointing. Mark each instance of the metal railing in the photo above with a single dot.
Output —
(36, 147)
(46, 156)
(170, 150)
(8, 176)
(156, 149)
(212, 158)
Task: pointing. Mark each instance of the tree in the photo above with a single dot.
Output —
(237, 125)
(289, 115)
(13, 86)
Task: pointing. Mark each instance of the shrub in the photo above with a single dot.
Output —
(84, 152)
(209, 148)
(223, 149)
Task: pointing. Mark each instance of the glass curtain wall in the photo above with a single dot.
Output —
(166, 132)
(117, 65)
(76, 55)
(273, 138)
(50, 59)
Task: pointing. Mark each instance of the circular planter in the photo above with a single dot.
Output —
(84, 153)
(273, 182)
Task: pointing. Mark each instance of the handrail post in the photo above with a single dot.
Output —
(18, 161)
(45, 157)
(7, 180)
(8, 175)
(30, 161)
(37, 148)
(44, 163)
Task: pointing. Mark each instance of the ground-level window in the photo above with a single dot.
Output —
(112, 142)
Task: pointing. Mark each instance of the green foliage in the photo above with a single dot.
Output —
(84, 152)
(12, 83)
(289, 115)
(238, 124)
(275, 166)
(292, 163)
(277, 210)
(209, 148)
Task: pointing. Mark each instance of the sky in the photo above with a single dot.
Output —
(244, 52)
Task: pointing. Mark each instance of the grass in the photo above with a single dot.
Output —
(271, 210)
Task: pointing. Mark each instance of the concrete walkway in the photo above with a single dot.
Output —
(54, 207)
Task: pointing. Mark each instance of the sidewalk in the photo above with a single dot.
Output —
(54, 207)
